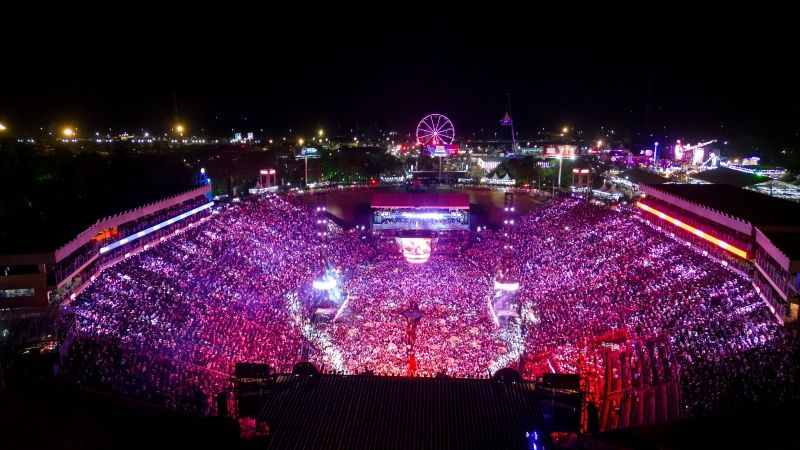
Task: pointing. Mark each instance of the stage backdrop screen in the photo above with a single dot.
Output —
(420, 219)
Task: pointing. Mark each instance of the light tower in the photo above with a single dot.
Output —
(507, 121)
(655, 156)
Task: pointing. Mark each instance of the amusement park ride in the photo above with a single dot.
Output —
(694, 154)
(688, 159)
(435, 136)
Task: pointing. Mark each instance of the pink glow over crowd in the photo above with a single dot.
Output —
(168, 324)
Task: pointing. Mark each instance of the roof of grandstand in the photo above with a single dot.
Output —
(50, 225)
(724, 175)
(758, 209)
(787, 241)
(639, 176)
(420, 200)
(364, 411)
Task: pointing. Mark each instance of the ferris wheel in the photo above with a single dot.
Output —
(435, 129)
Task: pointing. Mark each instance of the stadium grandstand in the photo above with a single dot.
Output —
(607, 318)
(754, 233)
(52, 269)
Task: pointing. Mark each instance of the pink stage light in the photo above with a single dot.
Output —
(506, 286)
(700, 233)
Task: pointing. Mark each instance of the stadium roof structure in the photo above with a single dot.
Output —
(742, 204)
(420, 200)
(724, 175)
(60, 221)
(365, 411)
(639, 176)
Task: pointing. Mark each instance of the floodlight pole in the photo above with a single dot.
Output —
(560, 159)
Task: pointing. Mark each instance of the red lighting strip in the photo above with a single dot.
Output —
(718, 242)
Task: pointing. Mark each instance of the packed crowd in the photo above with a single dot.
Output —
(212, 296)
(455, 335)
(585, 271)
(235, 288)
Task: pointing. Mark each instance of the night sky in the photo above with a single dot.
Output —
(698, 78)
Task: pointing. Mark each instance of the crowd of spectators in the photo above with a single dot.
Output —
(235, 288)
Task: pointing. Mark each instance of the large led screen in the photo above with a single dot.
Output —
(416, 250)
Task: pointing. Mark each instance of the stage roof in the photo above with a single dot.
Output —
(746, 205)
(420, 200)
(364, 411)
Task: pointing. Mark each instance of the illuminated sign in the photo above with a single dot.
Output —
(697, 157)
(751, 161)
(699, 233)
(678, 151)
(566, 151)
(416, 250)
(324, 284)
(441, 149)
(506, 286)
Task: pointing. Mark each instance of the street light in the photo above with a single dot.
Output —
(68, 132)
(3, 127)
(655, 156)
(300, 141)
(179, 129)
(320, 133)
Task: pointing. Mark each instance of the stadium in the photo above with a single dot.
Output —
(629, 316)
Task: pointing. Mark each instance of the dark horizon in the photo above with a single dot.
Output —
(663, 79)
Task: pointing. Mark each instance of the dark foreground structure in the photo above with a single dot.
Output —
(370, 412)
(37, 414)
